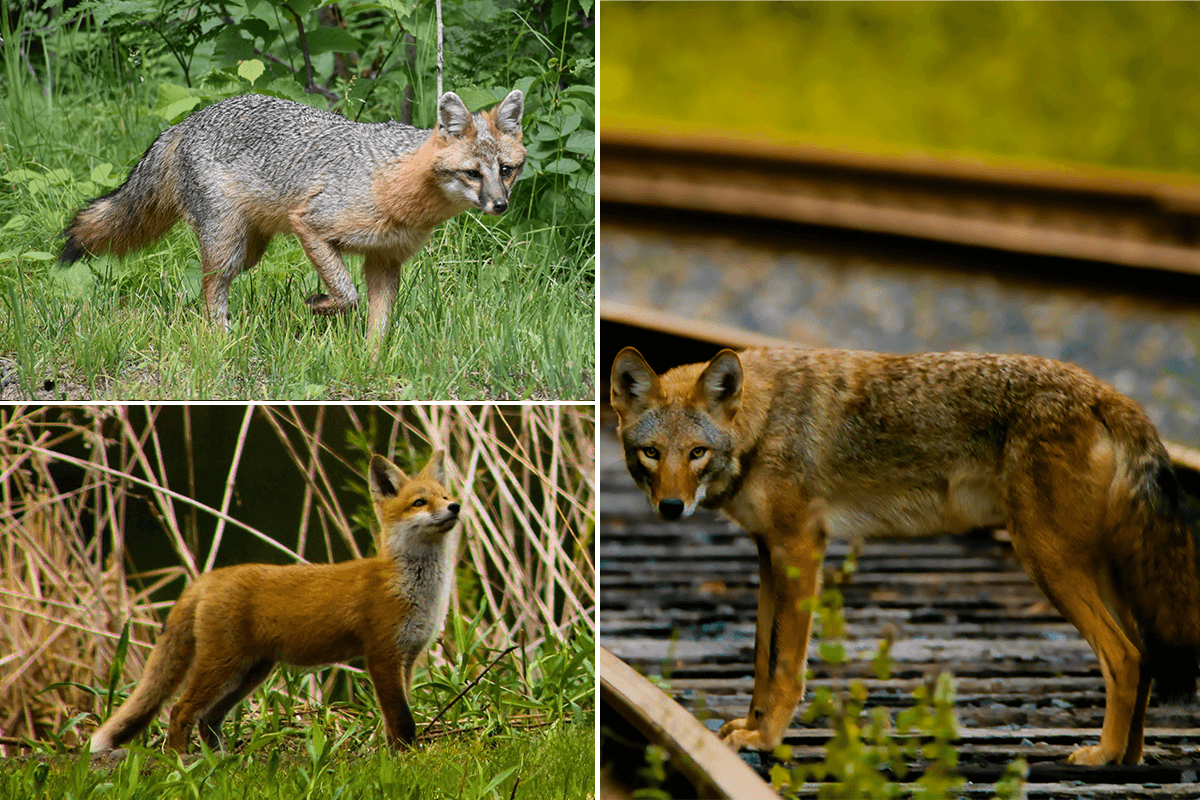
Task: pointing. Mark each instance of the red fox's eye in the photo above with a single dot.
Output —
(650, 453)
(698, 452)
(420, 501)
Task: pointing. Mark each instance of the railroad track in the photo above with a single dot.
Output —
(1134, 219)
(678, 600)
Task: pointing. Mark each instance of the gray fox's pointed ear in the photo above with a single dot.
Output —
(508, 113)
(436, 468)
(719, 388)
(453, 116)
(633, 384)
(384, 478)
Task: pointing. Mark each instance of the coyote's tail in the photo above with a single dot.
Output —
(1164, 583)
(136, 214)
(165, 670)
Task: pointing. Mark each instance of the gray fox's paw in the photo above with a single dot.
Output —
(325, 305)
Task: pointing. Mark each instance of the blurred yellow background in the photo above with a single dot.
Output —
(1116, 84)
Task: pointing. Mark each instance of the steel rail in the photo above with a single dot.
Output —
(1126, 218)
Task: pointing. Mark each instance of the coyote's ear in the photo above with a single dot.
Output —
(719, 388)
(508, 113)
(633, 384)
(384, 478)
(453, 117)
(436, 468)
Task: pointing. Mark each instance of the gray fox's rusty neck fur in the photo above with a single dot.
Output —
(799, 445)
(248, 168)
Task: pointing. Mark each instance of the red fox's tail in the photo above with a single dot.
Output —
(165, 670)
(1164, 583)
(136, 214)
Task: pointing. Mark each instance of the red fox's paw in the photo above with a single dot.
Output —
(325, 305)
(1093, 756)
(735, 734)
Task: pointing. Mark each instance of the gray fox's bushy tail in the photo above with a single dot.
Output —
(136, 214)
(165, 671)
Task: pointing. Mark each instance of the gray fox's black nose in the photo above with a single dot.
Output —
(670, 508)
(499, 206)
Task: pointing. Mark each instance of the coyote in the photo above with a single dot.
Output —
(248, 168)
(798, 445)
(233, 624)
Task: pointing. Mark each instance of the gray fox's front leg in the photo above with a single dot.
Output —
(329, 265)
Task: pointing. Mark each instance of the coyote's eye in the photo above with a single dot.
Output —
(650, 453)
(420, 501)
(698, 452)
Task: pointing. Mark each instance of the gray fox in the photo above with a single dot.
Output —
(247, 168)
(798, 445)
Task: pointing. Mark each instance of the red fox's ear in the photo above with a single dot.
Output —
(453, 117)
(384, 478)
(633, 384)
(436, 468)
(719, 388)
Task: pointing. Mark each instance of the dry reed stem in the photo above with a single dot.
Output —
(70, 476)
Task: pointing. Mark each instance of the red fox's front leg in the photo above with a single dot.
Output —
(392, 681)
(782, 632)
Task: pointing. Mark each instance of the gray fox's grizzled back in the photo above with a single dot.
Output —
(276, 153)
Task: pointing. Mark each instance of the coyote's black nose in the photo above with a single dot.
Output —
(670, 508)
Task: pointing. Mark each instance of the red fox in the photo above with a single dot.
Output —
(799, 445)
(248, 168)
(233, 624)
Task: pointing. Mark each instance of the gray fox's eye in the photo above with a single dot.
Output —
(698, 452)
(473, 174)
(650, 453)
(505, 171)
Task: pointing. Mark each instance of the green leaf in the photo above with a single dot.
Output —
(477, 98)
(251, 70)
(568, 123)
(230, 47)
(174, 101)
(403, 9)
(102, 175)
(581, 142)
(77, 278)
(37, 255)
(563, 166)
(331, 39)
(832, 652)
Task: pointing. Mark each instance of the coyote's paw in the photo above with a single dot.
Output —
(735, 734)
(1093, 756)
(325, 305)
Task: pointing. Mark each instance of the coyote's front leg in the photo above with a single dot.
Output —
(790, 558)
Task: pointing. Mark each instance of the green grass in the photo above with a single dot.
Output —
(553, 763)
(482, 313)
(520, 727)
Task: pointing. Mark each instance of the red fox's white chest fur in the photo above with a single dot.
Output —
(232, 625)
